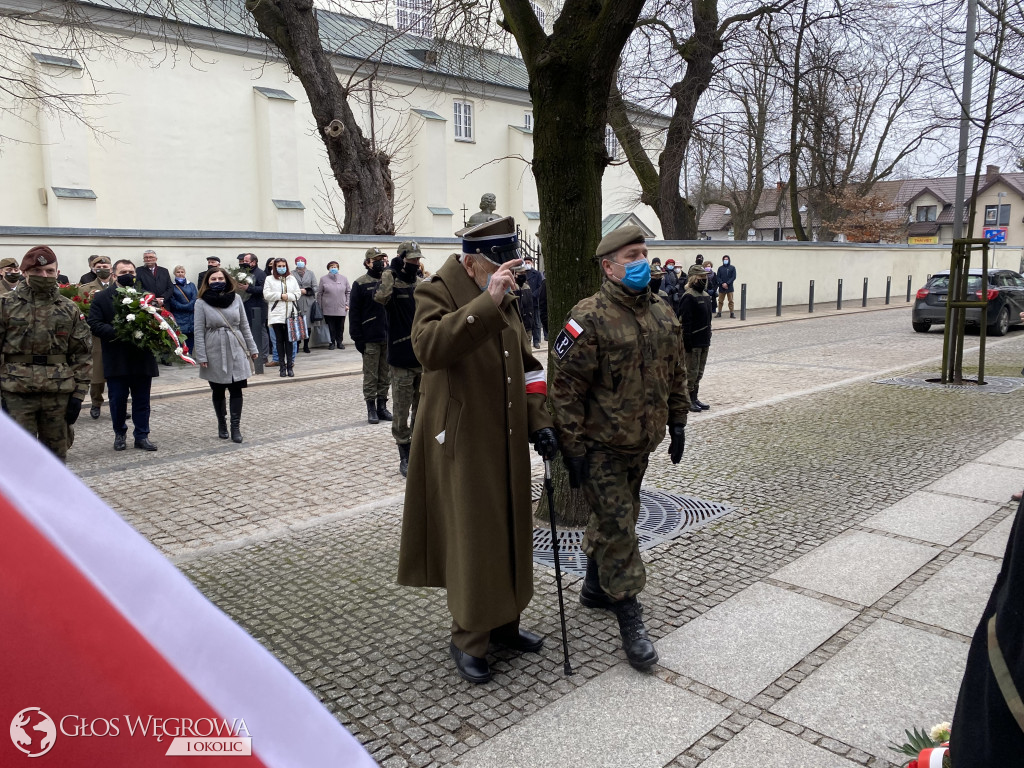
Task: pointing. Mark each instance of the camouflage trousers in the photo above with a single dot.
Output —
(376, 376)
(42, 416)
(613, 493)
(696, 359)
(405, 399)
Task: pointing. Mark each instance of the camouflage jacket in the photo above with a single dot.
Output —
(50, 327)
(618, 375)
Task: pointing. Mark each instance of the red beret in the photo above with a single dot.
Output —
(39, 256)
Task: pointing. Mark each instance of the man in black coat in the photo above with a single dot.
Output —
(252, 299)
(694, 310)
(726, 286)
(212, 262)
(368, 326)
(129, 370)
(536, 281)
(155, 279)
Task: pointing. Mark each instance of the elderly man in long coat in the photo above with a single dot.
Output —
(468, 506)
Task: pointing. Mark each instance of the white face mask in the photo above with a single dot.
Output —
(679, 271)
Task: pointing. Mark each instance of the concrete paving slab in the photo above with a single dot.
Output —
(890, 677)
(859, 567)
(587, 726)
(994, 542)
(1009, 454)
(953, 598)
(766, 747)
(743, 644)
(932, 517)
(981, 481)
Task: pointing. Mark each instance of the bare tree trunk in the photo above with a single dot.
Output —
(362, 172)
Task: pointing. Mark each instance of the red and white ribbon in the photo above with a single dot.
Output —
(931, 757)
(146, 303)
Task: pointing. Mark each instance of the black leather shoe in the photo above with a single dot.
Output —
(119, 443)
(702, 406)
(732, 315)
(470, 668)
(330, 346)
(719, 314)
(523, 640)
(635, 642)
(95, 411)
(591, 595)
(142, 443)
(694, 408)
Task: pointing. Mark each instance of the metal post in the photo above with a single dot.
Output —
(839, 295)
(910, 279)
(743, 300)
(965, 121)
(864, 298)
(259, 336)
(810, 298)
(888, 288)
(778, 299)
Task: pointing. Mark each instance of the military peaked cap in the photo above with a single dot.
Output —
(497, 241)
(374, 253)
(38, 256)
(97, 257)
(619, 238)
(8, 262)
(410, 249)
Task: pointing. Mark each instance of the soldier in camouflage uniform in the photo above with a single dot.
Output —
(368, 326)
(617, 378)
(10, 275)
(46, 351)
(695, 310)
(396, 293)
(100, 266)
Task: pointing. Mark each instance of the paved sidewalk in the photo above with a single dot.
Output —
(830, 611)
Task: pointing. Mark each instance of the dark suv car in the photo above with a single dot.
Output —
(1005, 300)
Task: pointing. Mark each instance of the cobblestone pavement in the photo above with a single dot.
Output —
(295, 533)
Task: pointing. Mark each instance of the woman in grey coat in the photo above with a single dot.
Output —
(224, 347)
(307, 291)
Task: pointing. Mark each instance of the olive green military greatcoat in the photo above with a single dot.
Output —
(86, 291)
(468, 506)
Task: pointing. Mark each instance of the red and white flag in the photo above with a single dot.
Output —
(110, 657)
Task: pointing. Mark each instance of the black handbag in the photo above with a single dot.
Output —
(316, 315)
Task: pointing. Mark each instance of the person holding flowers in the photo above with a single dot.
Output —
(224, 347)
(281, 292)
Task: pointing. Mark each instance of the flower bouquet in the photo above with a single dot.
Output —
(73, 292)
(241, 278)
(139, 321)
(927, 750)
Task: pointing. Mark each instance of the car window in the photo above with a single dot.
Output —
(942, 282)
(1015, 280)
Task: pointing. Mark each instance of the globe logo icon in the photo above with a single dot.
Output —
(33, 731)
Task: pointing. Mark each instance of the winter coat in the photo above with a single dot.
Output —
(368, 321)
(467, 524)
(399, 299)
(220, 334)
(254, 290)
(281, 297)
(87, 291)
(333, 293)
(119, 357)
(712, 288)
(307, 290)
(527, 305)
(695, 310)
(726, 274)
(183, 302)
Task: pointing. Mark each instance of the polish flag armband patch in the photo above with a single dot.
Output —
(567, 337)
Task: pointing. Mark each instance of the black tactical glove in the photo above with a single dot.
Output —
(545, 442)
(361, 347)
(73, 410)
(675, 448)
(398, 263)
(579, 470)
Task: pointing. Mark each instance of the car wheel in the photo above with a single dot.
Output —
(1002, 324)
(922, 327)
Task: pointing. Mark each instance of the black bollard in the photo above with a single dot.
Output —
(743, 301)
(888, 288)
(778, 299)
(810, 298)
(864, 298)
(909, 281)
(839, 295)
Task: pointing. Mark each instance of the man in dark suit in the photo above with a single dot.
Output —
(128, 369)
(155, 279)
(251, 292)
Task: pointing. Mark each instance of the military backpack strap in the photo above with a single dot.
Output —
(1001, 672)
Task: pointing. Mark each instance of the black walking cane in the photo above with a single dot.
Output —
(566, 666)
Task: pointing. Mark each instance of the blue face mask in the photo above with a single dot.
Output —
(334, 270)
(180, 280)
(282, 270)
(638, 275)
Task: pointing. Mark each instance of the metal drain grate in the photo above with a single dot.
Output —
(994, 385)
(663, 517)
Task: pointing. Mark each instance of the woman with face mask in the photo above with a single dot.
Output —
(333, 295)
(281, 292)
(224, 347)
(307, 293)
(183, 303)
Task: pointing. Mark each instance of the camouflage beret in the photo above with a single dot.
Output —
(374, 253)
(38, 256)
(619, 238)
(698, 270)
(410, 249)
(8, 262)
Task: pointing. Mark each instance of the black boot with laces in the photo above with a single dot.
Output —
(635, 642)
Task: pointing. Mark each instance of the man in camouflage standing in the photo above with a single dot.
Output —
(100, 266)
(617, 378)
(397, 284)
(46, 351)
(10, 275)
(368, 327)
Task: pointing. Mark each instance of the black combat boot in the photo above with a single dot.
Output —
(635, 642)
(371, 412)
(220, 408)
(403, 459)
(283, 370)
(694, 408)
(382, 409)
(591, 595)
(698, 403)
(236, 419)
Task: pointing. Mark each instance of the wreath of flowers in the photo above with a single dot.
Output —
(72, 292)
(138, 321)
(926, 749)
(242, 278)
